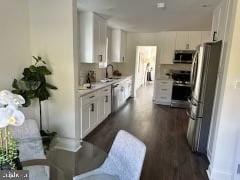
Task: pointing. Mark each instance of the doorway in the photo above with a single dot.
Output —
(145, 66)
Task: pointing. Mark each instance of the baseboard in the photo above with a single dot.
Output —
(218, 175)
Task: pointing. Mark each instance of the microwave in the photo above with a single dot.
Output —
(183, 56)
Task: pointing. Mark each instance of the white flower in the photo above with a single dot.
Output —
(11, 116)
(5, 97)
(9, 113)
(8, 98)
(3, 117)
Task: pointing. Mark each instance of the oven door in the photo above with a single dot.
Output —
(180, 95)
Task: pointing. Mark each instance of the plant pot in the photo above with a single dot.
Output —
(8, 167)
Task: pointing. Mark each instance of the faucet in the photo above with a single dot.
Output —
(107, 69)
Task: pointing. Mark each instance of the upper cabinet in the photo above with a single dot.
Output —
(206, 36)
(92, 39)
(118, 46)
(166, 47)
(182, 40)
(195, 38)
(188, 40)
(220, 20)
(169, 41)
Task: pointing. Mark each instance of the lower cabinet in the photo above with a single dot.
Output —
(89, 117)
(163, 92)
(94, 108)
(104, 103)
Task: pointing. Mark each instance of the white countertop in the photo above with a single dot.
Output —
(99, 85)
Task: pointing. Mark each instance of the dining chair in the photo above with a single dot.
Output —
(124, 161)
(30, 148)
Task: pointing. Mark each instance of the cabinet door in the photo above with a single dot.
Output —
(107, 105)
(182, 42)
(93, 114)
(123, 46)
(96, 39)
(166, 47)
(102, 44)
(101, 109)
(85, 122)
(195, 39)
(116, 45)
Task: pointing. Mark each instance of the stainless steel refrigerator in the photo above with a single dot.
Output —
(203, 84)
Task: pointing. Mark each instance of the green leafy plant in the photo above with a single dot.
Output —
(33, 84)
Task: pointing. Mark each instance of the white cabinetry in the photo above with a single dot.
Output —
(188, 40)
(92, 39)
(220, 15)
(195, 38)
(104, 104)
(206, 36)
(166, 47)
(182, 41)
(88, 111)
(95, 107)
(119, 45)
(163, 92)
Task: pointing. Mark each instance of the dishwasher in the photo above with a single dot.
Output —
(116, 95)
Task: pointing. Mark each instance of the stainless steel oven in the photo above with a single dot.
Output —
(181, 89)
(184, 56)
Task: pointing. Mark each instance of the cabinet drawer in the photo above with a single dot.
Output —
(89, 97)
(165, 83)
(106, 90)
(165, 90)
(164, 98)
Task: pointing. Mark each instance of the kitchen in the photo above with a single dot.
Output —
(175, 55)
(92, 49)
(173, 70)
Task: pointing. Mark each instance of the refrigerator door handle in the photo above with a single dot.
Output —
(193, 64)
(190, 116)
(191, 102)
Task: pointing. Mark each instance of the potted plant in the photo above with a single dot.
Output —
(9, 115)
(33, 85)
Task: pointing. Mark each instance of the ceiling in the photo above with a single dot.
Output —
(144, 16)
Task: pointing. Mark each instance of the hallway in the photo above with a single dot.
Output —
(163, 131)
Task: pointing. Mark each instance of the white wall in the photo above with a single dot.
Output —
(14, 45)
(228, 126)
(14, 40)
(53, 36)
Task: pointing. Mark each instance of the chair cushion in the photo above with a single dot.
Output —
(100, 177)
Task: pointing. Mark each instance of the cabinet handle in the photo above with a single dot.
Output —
(106, 90)
(123, 58)
(164, 89)
(215, 36)
(163, 97)
(92, 107)
(101, 58)
(106, 100)
(91, 97)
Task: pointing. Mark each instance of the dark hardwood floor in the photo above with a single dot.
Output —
(163, 130)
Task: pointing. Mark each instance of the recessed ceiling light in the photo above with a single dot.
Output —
(161, 5)
(205, 5)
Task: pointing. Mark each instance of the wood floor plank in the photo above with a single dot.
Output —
(163, 130)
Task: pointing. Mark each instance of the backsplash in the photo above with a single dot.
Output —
(84, 68)
(165, 68)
